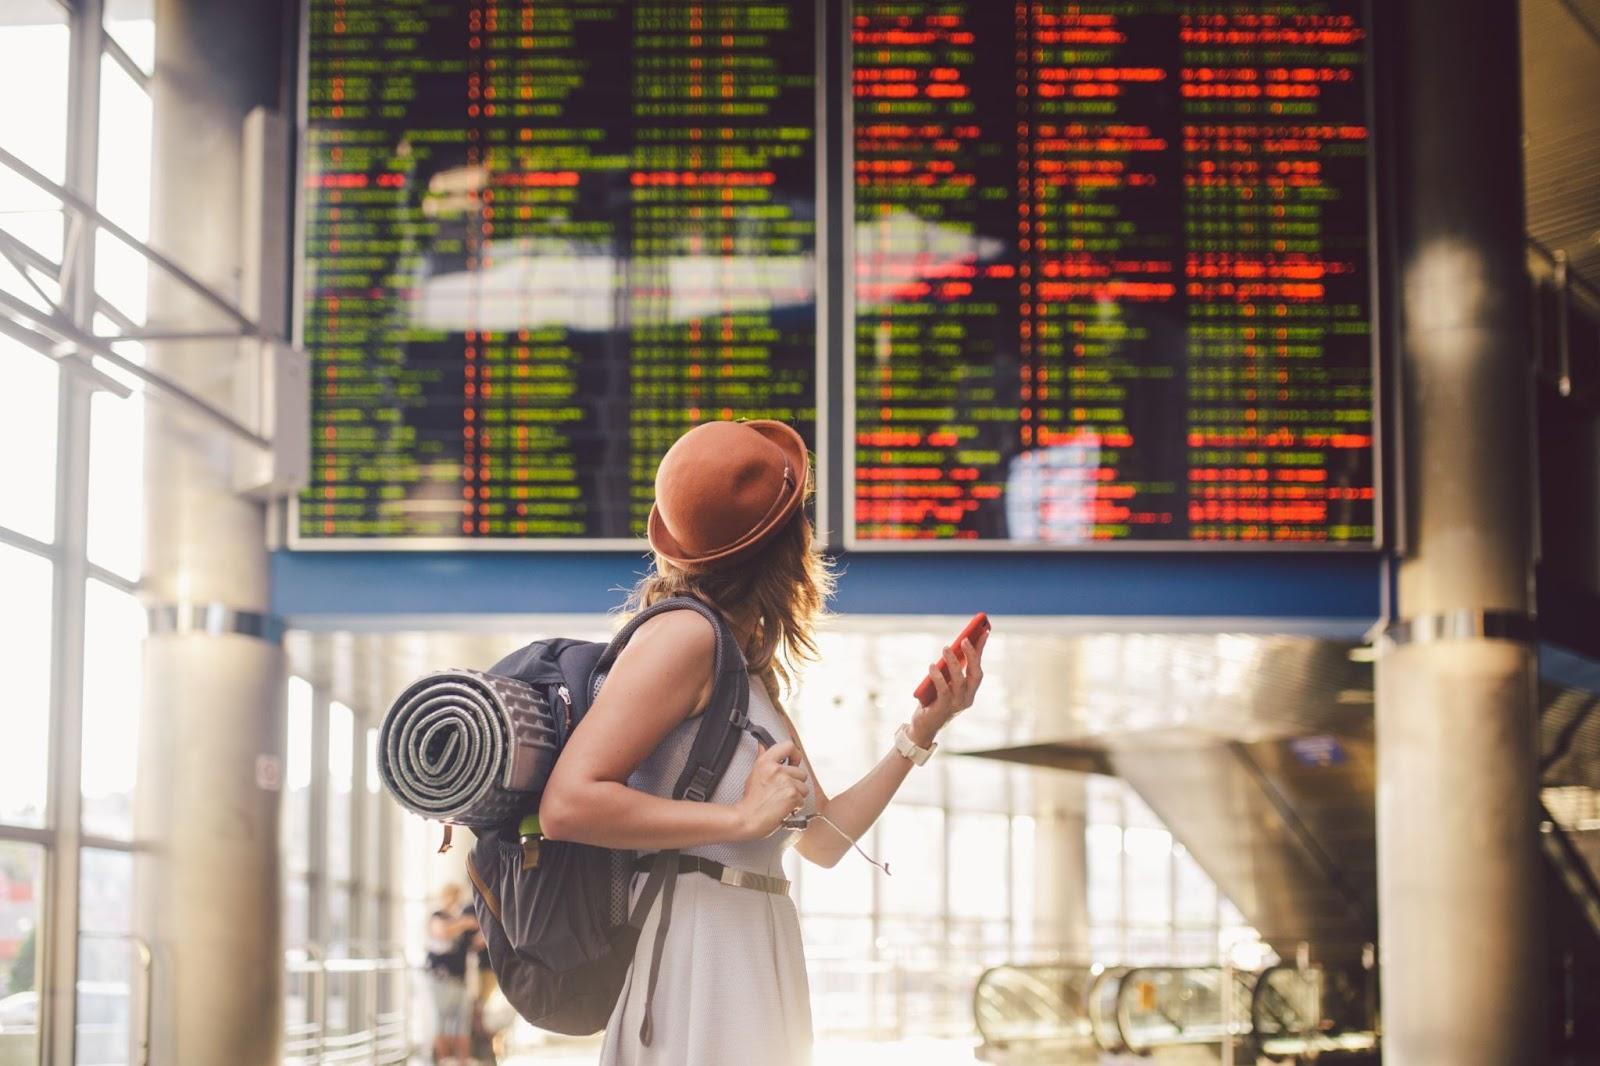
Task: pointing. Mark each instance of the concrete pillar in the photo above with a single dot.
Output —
(208, 879)
(1060, 864)
(1458, 875)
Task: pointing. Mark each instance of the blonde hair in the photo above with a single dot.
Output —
(775, 597)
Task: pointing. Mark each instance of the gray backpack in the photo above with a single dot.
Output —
(555, 915)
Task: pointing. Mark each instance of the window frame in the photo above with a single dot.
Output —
(61, 838)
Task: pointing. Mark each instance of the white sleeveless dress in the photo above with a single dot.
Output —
(732, 990)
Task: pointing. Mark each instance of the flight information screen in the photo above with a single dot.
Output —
(1113, 272)
(539, 241)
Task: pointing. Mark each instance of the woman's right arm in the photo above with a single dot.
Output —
(661, 678)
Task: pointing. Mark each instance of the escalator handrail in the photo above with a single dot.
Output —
(1567, 736)
(1262, 986)
(1092, 998)
(1574, 865)
(1128, 981)
(978, 987)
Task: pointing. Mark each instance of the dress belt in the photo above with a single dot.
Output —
(776, 886)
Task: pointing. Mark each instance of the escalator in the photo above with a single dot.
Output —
(1060, 1014)
(1265, 770)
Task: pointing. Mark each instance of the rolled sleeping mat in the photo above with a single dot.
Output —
(467, 747)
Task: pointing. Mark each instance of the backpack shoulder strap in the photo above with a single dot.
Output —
(728, 656)
(721, 724)
(727, 712)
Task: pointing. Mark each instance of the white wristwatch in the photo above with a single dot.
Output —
(909, 748)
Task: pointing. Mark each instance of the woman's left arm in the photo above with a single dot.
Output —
(854, 810)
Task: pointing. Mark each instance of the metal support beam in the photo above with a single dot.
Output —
(1458, 875)
(60, 953)
(83, 340)
(86, 210)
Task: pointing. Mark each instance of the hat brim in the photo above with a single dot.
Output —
(794, 450)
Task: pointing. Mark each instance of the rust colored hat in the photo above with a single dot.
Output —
(723, 488)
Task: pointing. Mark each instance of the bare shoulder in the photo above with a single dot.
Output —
(688, 632)
(682, 643)
(672, 652)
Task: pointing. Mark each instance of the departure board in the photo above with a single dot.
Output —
(538, 241)
(1113, 273)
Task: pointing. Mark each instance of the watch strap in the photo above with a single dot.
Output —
(910, 749)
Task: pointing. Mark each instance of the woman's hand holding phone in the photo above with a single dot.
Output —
(954, 679)
(774, 790)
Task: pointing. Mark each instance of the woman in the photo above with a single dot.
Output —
(728, 528)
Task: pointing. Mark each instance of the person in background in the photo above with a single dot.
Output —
(451, 930)
(488, 1023)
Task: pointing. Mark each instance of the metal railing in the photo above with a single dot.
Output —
(141, 1003)
(352, 1008)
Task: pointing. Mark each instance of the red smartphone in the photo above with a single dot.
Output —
(976, 627)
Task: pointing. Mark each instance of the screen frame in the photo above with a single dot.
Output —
(1378, 287)
(823, 213)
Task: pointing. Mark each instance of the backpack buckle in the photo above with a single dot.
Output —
(700, 785)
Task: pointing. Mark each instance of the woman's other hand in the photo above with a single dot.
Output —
(773, 791)
(951, 695)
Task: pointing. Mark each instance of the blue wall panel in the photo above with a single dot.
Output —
(1341, 589)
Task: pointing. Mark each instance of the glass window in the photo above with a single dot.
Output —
(1103, 799)
(21, 906)
(296, 911)
(123, 193)
(297, 812)
(828, 937)
(25, 627)
(371, 803)
(841, 745)
(979, 943)
(1137, 813)
(106, 894)
(1149, 945)
(116, 483)
(131, 23)
(29, 283)
(846, 889)
(33, 68)
(122, 275)
(1196, 901)
(911, 939)
(339, 915)
(121, 279)
(1149, 874)
(1105, 944)
(113, 656)
(842, 979)
(1194, 947)
(1104, 846)
(1023, 872)
(34, 44)
(28, 439)
(108, 974)
(341, 788)
(979, 784)
(374, 782)
(21, 910)
(912, 842)
(979, 859)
